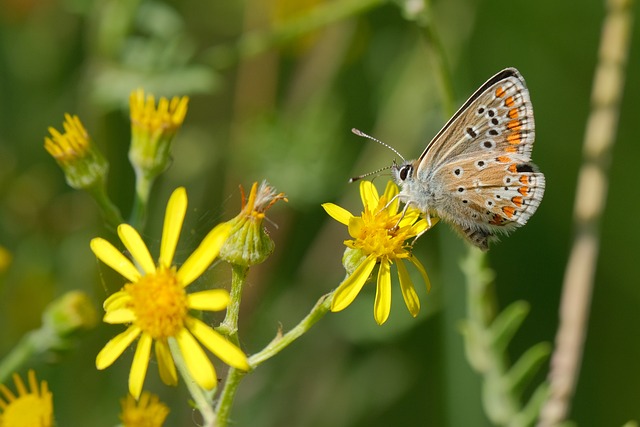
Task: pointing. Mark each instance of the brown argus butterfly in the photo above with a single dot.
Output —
(476, 173)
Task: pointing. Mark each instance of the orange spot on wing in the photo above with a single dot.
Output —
(509, 211)
(500, 92)
(524, 179)
(509, 102)
(512, 149)
(517, 200)
(524, 191)
(503, 159)
(514, 125)
(513, 113)
(497, 220)
(514, 138)
(512, 168)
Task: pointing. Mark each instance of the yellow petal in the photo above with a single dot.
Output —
(422, 271)
(390, 192)
(115, 347)
(108, 254)
(197, 362)
(139, 365)
(352, 285)
(119, 315)
(204, 254)
(211, 300)
(408, 291)
(369, 195)
(116, 300)
(166, 367)
(217, 344)
(356, 223)
(134, 244)
(173, 218)
(382, 305)
(338, 213)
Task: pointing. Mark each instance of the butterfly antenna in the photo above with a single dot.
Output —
(360, 133)
(359, 177)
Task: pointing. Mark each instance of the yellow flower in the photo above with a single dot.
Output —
(152, 130)
(147, 412)
(156, 305)
(379, 237)
(32, 408)
(83, 165)
(248, 243)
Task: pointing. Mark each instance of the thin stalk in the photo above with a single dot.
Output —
(202, 398)
(589, 205)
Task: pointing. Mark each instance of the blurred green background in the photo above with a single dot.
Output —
(275, 88)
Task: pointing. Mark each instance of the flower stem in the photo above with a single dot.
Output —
(109, 211)
(280, 342)
(144, 183)
(202, 398)
(229, 325)
(18, 356)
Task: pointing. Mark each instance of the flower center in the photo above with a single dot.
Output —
(159, 303)
(378, 235)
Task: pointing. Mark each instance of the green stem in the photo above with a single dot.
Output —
(229, 325)
(144, 183)
(282, 341)
(109, 211)
(202, 398)
(18, 356)
(279, 343)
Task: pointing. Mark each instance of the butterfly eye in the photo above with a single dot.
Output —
(404, 171)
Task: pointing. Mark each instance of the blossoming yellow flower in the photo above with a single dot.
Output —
(146, 412)
(379, 237)
(156, 305)
(32, 408)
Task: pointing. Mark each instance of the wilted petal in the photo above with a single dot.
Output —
(408, 291)
(382, 305)
(218, 345)
(211, 300)
(108, 254)
(352, 285)
(139, 365)
(197, 362)
(134, 244)
(173, 218)
(115, 347)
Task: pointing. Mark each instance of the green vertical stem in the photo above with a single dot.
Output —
(144, 183)
(202, 398)
(110, 213)
(229, 325)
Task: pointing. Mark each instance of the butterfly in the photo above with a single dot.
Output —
(476, 173)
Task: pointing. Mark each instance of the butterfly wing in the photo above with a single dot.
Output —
(479, 164)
